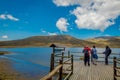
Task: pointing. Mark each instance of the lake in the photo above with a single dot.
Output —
(32, 63)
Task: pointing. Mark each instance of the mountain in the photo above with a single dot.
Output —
(66, 40)
(46, 41)
(113, 41)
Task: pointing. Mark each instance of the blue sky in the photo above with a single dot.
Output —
(82, 19)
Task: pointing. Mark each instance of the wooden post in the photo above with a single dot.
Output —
(64, 48)
(68, 54)
(52, 62)
(62, 56)
(60, 70)
(114, 66)
(72, 63)
(53, 50)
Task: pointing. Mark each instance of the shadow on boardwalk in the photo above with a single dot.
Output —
(92, 72)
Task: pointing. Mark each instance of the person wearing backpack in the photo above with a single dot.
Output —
(87, 52)
(107, 53)
(94, 55)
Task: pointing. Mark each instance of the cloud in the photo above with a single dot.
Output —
(3, 16)
(72, 2)
(12, 18)
(4, 36)
(9, 17)
(43, 31)
(93, 14)
(52, 33)
(62, 24)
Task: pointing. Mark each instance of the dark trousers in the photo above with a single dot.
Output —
(106, 60)
(87, 60)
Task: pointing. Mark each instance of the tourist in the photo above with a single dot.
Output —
(107, 53)
(94, 55)
(86, 52)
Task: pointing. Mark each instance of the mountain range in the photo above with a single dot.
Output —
(65, 40)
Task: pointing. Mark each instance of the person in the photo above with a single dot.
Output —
(86, 52)
(94, 55)
(107, 52)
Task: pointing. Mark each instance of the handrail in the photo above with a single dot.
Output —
(116, 69)
(61, 56)
(53, 72)
(59, 68)
(97, 53)
(67, 60)
(68, 76)
(117, 61)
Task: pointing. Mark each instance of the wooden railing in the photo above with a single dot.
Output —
(78, 56)
(116, 68)
(54, 71)
(61, 65)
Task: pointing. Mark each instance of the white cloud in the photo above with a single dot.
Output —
(72, 2)
(4, 36)
(12, 18)
(44, 31)
(52, 33)
(62, 24)
(8, 16)
(3, 16)
(93, 14)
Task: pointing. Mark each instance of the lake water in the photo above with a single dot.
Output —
(35, 60)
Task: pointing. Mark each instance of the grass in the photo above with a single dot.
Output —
(4, 52)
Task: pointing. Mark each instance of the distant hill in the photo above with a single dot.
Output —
(106, 40)
(46, 41)
(66, 40)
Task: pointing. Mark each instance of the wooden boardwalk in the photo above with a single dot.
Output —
(92, 72)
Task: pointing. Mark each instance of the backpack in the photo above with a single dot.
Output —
(86, 52)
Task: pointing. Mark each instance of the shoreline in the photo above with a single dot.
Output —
(49, 46)
(4, 52)
(14, 70)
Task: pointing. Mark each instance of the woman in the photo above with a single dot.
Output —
(94, 55)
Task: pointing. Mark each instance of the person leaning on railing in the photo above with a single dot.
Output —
(107, 53)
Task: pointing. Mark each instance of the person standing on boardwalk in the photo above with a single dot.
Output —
(107, 53)
(94, 55)
(87, 52)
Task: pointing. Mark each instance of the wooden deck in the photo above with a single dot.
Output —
(92, 72)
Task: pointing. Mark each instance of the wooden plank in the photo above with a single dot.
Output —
(92, 72)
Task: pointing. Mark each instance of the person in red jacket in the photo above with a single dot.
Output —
(87, 52)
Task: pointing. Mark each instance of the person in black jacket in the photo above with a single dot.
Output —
(107, 53)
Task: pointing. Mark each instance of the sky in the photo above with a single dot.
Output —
(82, 19)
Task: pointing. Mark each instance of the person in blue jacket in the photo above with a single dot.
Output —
(107, 53)
(94, 55)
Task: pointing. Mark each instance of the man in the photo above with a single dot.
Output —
(87, 52)
(107, 53)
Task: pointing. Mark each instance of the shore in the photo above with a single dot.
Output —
(8, 73)
(16, 70)
(4, 52)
